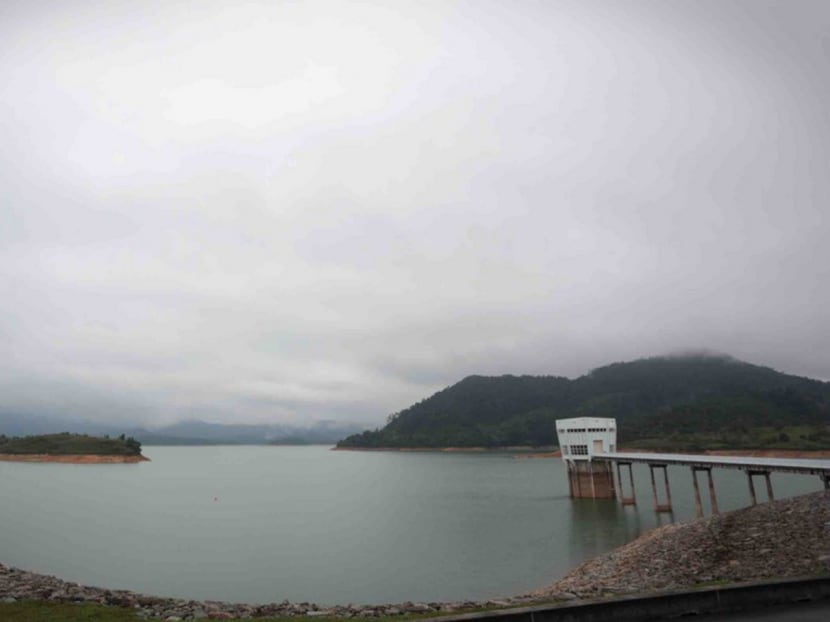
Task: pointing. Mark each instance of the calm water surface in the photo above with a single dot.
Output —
(259, 524)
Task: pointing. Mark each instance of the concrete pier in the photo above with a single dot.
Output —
(581, 439)
(698, 503)
(591, 480)
(766, 475)
(632, 498)
(661, 507)
(713, 499)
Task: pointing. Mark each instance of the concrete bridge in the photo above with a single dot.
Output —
(589, 449)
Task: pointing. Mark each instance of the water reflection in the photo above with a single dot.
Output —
(598, 525)
(665, 518)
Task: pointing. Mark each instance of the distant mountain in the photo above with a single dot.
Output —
(203, 433)
(649, 397)
(213, 433)
(13, 423)
(182, 433)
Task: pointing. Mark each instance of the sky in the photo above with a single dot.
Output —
(283, 212)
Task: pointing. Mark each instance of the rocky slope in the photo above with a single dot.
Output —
(785, 538)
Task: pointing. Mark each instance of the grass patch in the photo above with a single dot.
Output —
(31, 611)
(38, 611)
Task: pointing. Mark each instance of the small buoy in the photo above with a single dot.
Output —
(216, 498)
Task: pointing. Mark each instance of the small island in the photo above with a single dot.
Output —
(72, 448)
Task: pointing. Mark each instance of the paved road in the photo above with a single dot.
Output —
(806, 612)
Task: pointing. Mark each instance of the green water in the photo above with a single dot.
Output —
(259, 524)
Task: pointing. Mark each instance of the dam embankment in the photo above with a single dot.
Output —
(784, 538)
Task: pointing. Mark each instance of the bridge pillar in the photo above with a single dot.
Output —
(713, 499)
(660, 507)
(826, 479)
(751, 488)
(668, 488)
(750, 474)
(632, 500)
(698, 502)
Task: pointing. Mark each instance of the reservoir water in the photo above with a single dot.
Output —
(262, 524)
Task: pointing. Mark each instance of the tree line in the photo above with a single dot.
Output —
(65, 443)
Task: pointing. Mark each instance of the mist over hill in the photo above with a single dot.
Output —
(690, 398)
(193, 432)
(652, 397)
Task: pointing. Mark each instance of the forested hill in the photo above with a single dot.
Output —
(650, 398)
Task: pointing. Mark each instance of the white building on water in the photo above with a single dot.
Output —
(580, 439)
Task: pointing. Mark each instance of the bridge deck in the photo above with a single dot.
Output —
(745, 463)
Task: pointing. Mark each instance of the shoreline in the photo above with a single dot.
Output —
(784, 538)
(525, 451)
(73, 458)
(17, 585)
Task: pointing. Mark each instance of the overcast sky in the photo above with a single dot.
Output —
(300, 210)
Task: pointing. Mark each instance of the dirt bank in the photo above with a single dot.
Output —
(72, 459)
(541, 454)
(785, 538)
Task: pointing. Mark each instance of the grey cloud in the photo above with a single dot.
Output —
(295, 211)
